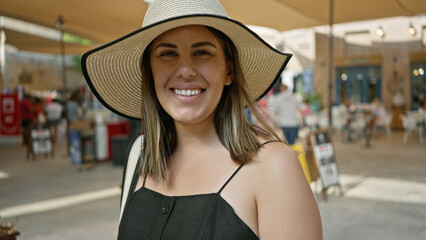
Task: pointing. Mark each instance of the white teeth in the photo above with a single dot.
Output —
(187, 93)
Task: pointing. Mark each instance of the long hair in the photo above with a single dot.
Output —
(236, 133)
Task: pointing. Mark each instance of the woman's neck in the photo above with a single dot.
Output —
(197, 145)
(196, 136)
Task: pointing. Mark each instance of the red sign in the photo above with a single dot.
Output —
(10, 116)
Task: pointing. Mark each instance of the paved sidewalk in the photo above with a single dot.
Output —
(49, 177)
(384, 193)
(386, 158)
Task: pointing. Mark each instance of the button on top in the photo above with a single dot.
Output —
(164, 210)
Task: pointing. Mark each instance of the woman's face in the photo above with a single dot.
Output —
(190, 71)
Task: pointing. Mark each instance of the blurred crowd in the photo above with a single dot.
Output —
(51, 113)
(350, 121)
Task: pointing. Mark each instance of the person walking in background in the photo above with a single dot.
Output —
(73, 109)
(286, 108)
(205, 171)
(39, 112)
(27, 117)
(54, 115)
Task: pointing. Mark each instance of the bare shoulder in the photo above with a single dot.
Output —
(278, 168)
(285, 202)
(276, 151)
(276, 159)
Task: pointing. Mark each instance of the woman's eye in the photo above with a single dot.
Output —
(202, 53)
(168, 54)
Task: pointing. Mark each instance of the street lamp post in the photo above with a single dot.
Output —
(2, 54)
(330, 66)
(60, 24)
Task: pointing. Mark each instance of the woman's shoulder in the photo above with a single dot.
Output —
(275, 167)
(281, 184)
(275, 157)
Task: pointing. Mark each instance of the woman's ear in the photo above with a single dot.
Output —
(229, 74)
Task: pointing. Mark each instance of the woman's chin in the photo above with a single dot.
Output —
(193, 117)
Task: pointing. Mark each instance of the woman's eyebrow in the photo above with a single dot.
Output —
(200, 44)
(168, 45)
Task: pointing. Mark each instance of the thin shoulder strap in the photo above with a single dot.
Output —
(135, 152)
(238, 169)
(263, 144)
(229, 179)
(144, 180)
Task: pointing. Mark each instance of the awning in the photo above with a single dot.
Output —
(32, 43)
(106, 20)
(355, 10)
(97, 20)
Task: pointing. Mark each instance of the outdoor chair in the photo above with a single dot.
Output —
(311, 121)
(384, 123)
(412, 123)
(358, 125)
(323, 121)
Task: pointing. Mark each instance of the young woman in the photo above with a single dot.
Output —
(205, 171)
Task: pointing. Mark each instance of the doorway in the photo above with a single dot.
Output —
(358, 84)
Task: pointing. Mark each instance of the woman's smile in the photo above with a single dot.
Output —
(187, 92)
(187, 95)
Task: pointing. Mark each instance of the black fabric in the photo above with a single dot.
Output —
(152, 215)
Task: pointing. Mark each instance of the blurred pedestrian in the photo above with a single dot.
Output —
(39, 112)
(27, 117)
(287, 109)
(73, 107)
(54, 115)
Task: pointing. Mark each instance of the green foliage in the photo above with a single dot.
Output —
(312, 97)
(77, 62)
(70, 38)
(314, 100)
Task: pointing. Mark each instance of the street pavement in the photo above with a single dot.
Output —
(384, 193)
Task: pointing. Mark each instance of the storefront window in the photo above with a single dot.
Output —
(418, 83)
(358, 84)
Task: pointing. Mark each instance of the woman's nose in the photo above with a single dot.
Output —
(186, 68)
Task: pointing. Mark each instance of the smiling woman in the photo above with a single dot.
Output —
(205, 172)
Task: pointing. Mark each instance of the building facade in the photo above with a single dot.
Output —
(383, 59)
(367, 65)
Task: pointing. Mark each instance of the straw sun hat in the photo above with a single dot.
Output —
(113, 71)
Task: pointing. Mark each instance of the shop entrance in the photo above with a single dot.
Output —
(358, 84)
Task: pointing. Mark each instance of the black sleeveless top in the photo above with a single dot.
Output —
(154, 216)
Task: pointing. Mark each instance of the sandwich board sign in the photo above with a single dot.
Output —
(41, 142)
(325, 159)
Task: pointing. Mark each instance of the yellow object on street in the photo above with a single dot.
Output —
(298, 148)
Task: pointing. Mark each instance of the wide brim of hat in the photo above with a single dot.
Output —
(113, 71)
